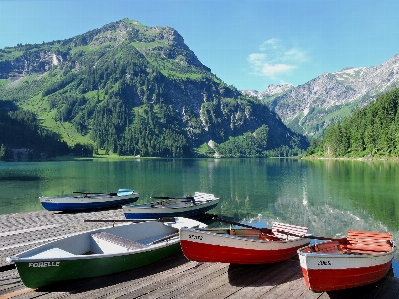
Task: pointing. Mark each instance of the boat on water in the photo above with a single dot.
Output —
(359, 259)
(190, 206)
(249, 245)
(89, 201)
(101, 251)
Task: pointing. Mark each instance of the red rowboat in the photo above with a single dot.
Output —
(243, 245)
(359, 259)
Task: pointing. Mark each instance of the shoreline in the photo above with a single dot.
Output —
(361, 159)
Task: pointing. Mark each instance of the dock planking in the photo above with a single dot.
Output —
(173, 277)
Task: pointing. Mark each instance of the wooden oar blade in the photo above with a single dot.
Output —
(311, 236)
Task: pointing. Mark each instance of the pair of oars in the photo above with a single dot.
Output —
(268, 231)
(186, 198)
(162, 219)
(79, 192)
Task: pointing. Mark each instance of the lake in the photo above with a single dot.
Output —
(330, 197)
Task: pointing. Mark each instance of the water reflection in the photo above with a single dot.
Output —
(330, 197)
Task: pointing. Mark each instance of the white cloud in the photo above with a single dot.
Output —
(273, 43)
(274, 60)
(271, 71)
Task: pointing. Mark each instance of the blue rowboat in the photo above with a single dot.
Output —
(89, 201)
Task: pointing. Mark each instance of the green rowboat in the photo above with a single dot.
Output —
(100, 252)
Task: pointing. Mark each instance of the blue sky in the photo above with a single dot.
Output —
(247, 44)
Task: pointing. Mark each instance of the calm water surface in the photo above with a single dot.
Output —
(330, 197)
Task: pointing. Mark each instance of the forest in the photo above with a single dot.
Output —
(372, 131)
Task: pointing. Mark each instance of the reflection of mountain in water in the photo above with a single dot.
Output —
(330, 197)
(323, 220)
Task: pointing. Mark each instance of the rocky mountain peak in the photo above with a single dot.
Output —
(133, 89)
(271, 90)
(309, 108)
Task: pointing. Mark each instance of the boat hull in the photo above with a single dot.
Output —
(39, 274)
(328, 272)
(146, 212)
(210, 247)
(100, 252)
(82, 204)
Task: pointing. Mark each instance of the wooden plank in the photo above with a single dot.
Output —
(117, 240)
(285, 231)
(292, 280)
(206, 284)
(187, 281)
(389, 288)
(243, 277)
(369, 235)
(271, 279)
(193, 280)
(134, 283)
(296, 288)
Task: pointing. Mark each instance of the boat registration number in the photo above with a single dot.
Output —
(44, 264)
(324, 263)
(195, 237)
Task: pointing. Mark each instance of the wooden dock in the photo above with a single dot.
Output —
(174, 277)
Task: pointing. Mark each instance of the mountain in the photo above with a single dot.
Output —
(310, 108)
(271, 92)
(136, 90)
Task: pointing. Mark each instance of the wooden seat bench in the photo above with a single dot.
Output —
(368, 242)
(117, 240)
(285, 231)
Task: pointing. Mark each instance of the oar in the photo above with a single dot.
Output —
(162, 219)
(167, 197)
(88, 192)
(311, 237)
(263, 230)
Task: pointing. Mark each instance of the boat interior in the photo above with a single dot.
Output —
(278, 232)
(111, 240)
(357, 242)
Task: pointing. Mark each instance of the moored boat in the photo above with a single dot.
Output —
(100, 252)
(89, 201)
(359, 259)
(249, 245)
(190, 206)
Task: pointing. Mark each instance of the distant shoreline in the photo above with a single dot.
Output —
(361, 159)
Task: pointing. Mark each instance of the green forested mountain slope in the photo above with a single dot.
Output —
(372, 131)
(136, 90)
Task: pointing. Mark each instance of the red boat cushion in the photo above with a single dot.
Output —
(368, 242)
